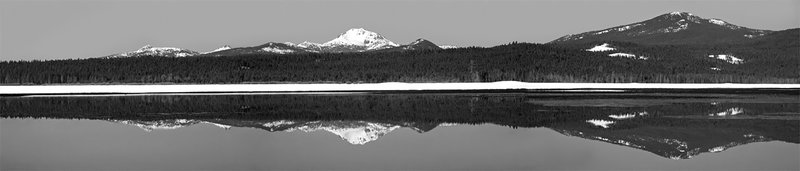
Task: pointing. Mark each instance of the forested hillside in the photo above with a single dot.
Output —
(515, 61)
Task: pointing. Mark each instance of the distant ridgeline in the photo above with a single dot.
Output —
(676, 47)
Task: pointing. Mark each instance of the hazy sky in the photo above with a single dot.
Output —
(59, 29)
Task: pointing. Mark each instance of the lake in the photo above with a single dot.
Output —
(402, 131)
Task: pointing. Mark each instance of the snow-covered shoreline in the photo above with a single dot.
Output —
(391, 86)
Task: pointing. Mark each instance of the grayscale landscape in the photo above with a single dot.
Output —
(406, 85)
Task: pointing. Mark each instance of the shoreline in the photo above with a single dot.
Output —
(503, 86)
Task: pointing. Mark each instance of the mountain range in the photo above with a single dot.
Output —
(675, 28)
(353, 40)
(677, 47)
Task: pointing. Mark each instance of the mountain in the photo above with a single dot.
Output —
(267, 48)
(690, 135)
(353, 40)
(668, 142)
(419, 44)
(156, 51)
(785, 39)
(670, 28)
(357, 40)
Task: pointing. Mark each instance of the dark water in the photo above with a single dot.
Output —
(598, 131)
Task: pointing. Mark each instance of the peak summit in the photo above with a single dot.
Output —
(360, 40)
(680, 13)
(361, 37)
(146, 47)
(681, 16)
(358, 31)
(418, 41)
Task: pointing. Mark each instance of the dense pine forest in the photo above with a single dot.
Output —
(515, 61)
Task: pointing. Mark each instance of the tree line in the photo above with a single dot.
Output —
(515, 61)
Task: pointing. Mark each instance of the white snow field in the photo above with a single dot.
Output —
(390, 86)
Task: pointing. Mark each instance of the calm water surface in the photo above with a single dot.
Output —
(402, 132)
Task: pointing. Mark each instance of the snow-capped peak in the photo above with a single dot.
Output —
(679, 13)
(361, 37)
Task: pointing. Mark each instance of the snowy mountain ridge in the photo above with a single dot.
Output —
(670, 28)
(149, 50)
(352, 40)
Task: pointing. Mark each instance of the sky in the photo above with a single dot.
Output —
(68, 29)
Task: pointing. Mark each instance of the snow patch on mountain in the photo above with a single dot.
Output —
(601, 32)
(448, 46)
(628, 55)
(627, 115)
(601, 48)
(680, 25)
(307, 44)
(277, 50)
(219, 125)
(717, 21)
(600, 122)
(628, 27)
(727, 58)
(728, 112)
(226, 47)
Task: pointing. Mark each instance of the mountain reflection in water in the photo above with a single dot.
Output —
(675, 126)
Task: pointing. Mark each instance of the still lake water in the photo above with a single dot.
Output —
(515, 131)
